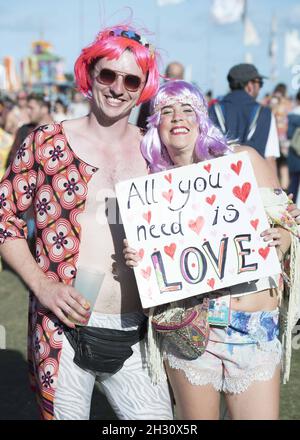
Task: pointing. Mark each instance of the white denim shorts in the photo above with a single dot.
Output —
(247, 350)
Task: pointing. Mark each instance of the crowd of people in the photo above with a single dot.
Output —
(62, 167)
(20, 113)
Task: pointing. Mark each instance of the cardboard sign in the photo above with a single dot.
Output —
(196, 228)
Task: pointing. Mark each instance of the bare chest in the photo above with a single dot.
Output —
(112, 169)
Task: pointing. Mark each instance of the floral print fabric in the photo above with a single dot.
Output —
(47, 175)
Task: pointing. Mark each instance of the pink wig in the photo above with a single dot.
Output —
(112, 47)
(210, 142)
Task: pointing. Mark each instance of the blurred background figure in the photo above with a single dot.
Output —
(60, 111)
(38, 108)
(38, 111)
(242, 119)
(6, 139)
(266, 99)
(6, 104)
(174, 70)
(281, 105)
(209, 98)
(79, 107)
(293, 157)
(18, 115)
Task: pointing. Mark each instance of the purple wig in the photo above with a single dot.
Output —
(210, 142)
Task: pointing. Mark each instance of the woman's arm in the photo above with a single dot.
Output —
(293, 210)
(278, 237)
(264, 174)
(265, 178)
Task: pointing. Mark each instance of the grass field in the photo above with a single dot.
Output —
(17, 401)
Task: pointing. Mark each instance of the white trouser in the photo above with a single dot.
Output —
(129, 391)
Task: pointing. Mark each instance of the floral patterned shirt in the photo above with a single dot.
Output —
(46, 174)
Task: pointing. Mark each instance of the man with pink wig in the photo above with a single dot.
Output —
(67, 172)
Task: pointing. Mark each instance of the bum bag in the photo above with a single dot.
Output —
(103, 350)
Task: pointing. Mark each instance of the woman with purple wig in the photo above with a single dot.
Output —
(243, 358)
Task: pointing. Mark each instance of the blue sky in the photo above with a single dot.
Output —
(184, 32)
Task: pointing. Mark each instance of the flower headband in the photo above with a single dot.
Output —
(120, 32)
(191, 100)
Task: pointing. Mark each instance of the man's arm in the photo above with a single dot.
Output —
(61, 299)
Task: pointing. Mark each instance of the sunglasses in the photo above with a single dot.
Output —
(107, 77)
(258, 81)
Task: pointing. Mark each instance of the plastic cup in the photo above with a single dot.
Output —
(88, 283)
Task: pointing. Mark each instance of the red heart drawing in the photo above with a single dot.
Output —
(254, 223)
(146, 272)
(168, 195)
(211, 199)
(211, 282)
(170, 250)
(168, 177)
(207, 167)
(196, 225)
(243, 192)
(236, 167)
(147, 216)
(141, 253)
(264, 252)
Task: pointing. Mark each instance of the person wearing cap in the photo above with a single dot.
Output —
(67, 171)
(242, 119)
(18, 115)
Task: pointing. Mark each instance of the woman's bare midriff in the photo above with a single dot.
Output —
(265, 300)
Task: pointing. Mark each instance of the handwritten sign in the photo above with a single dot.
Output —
(196, 229)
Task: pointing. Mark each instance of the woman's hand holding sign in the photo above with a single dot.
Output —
(131, 256)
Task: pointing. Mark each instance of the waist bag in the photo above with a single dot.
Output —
(103, 350)
(184, 327)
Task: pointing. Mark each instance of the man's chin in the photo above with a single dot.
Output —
(115, 114)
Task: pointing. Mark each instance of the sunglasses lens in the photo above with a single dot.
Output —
(132, 82)
(106, 77)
